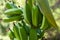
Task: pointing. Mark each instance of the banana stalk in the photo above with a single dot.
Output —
(33, 34)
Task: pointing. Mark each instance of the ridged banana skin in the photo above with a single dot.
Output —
(45, 9)
(35, 16)
(13, 11)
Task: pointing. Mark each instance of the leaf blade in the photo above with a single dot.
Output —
(45, 9)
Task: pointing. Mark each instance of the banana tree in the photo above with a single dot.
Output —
(31, 21)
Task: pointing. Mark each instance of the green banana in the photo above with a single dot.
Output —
(35, 16)
(40, 17)
(28, 12)
(33, 34)
(15, 18)
(45, 24)
(11, 34)
(10, 5)
(43, 28)
(16, 32)
(14, 11)
(45, 9)
(27, 29)
(23, 33)
(20, 24)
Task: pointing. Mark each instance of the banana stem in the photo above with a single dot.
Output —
(33, 34)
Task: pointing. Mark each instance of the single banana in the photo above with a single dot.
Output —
(14, 11)
(15, 18)
(40, 17)
(11, 34)
(35, 16)
(45, 24)
(28, 12)
(16, 32)
(27, 29)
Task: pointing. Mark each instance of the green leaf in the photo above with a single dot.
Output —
(45, 9)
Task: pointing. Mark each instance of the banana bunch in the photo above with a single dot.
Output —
(32, 14)
(19, 32)
(35, 15)
(13, 13)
